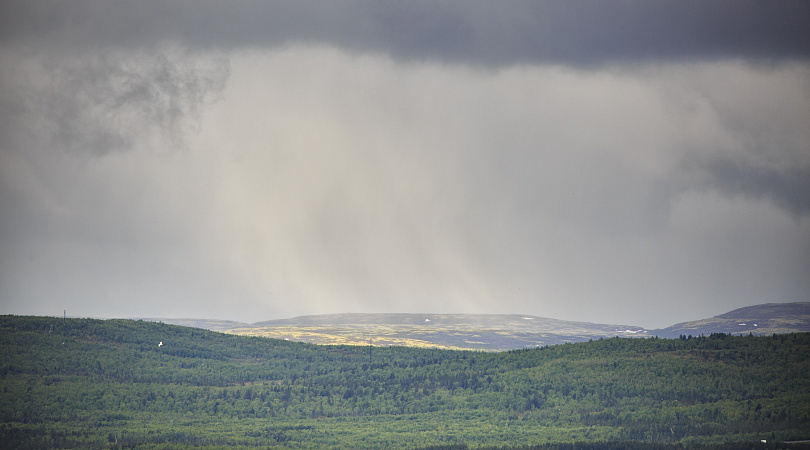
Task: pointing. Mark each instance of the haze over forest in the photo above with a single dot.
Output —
(644, 163)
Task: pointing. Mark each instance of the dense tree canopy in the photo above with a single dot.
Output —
(110, 383)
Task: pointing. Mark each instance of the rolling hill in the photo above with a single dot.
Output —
(489, 332)
(759, 320)
(496, 332)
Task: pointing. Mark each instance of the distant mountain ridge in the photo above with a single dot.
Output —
(513, 322)
(759, 320)
(495, 332)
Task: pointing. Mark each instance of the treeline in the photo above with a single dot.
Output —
(123, 383)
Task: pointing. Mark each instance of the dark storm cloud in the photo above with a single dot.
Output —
(573, 32)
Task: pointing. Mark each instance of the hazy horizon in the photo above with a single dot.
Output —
(203, 319)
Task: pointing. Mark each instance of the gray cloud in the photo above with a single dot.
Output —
(366, 184)
(580, 33)
(97, 103)
(760, 144)
(581, 160)
(788, 189)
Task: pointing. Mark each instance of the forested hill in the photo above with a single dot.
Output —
(121, 383)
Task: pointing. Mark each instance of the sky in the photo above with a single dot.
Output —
(641, 163)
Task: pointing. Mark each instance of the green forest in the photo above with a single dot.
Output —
(86, 383)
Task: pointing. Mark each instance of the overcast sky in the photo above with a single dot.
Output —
(640, 163)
